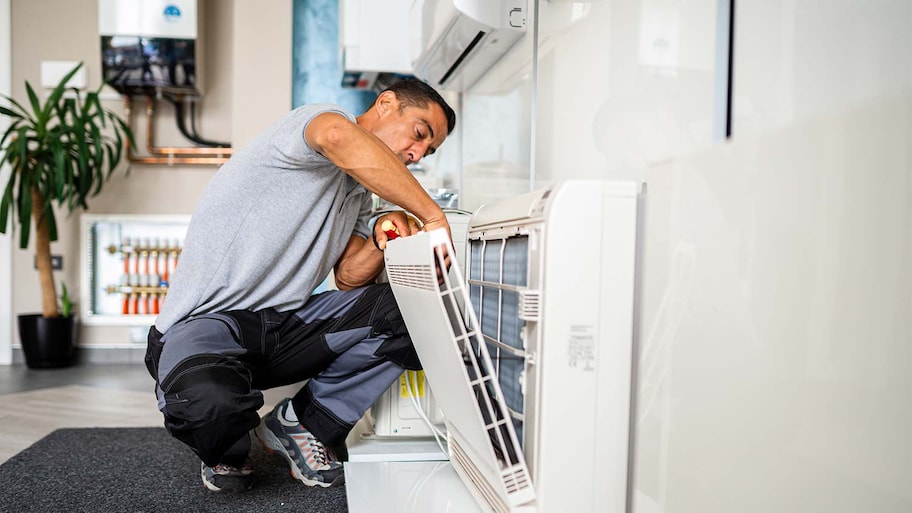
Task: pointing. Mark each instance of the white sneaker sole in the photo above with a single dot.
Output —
(212, 487)
(207, 484)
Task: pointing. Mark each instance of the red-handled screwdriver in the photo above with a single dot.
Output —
(389, 229)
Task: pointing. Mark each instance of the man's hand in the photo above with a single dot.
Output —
(398, 223)
(401, 224)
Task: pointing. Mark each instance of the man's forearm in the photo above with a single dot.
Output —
(368, 160)
(360, 264)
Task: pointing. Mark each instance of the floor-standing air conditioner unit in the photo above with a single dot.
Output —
(534, 379)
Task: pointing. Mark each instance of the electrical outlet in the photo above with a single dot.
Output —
(56, 262)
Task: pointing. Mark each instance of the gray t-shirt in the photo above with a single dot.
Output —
(268, 227)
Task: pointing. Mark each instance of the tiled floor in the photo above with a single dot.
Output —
(34, 402)
(19, 378)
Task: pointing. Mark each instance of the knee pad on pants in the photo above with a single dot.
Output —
(209, 404)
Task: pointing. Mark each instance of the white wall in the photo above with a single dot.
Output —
(6, 288)
(774, 355)
(261, 77)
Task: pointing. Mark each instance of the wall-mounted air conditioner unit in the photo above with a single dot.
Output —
(461, 39)
(534, 379)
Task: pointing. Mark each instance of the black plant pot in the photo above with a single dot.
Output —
(48, 342)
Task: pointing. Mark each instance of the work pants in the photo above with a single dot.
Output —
(210, 369)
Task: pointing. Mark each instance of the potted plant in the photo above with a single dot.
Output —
(61, 151)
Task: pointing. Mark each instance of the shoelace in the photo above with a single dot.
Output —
(317, 449)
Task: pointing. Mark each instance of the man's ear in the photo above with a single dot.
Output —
(387, 103)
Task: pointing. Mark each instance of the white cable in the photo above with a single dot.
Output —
(411, 503)
(413, 394)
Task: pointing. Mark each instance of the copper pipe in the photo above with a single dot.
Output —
(156, 150)
(169, 160)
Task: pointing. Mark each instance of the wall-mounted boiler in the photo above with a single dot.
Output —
(148, 44)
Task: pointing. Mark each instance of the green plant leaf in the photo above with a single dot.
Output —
(25, 113)
(58, 92)
(110, 149)
(93, 99)
(25, 209)
(22, 142)
(66, 304)
(10, 113)
(125, 129)
(36, 107)
(51, 221)
(118, 148)
(6, 203)
(82, 161)
(97, 155)
(13, 128)
(59, 168)
(68, 179)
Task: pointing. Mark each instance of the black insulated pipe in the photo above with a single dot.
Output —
(182, 126)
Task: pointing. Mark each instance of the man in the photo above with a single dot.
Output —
(239, 315)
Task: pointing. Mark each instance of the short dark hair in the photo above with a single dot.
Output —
(412, 92)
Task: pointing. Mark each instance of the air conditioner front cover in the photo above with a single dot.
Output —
(482, 442)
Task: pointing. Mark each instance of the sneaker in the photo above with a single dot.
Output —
(307, 457)
(225, 478)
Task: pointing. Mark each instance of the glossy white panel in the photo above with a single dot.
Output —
(622, 84)
(799, 59)
(148, 18)
(379, 448)
(775, 363)
(406, 487)
(496, 127)
(496, 146)
(775, 357)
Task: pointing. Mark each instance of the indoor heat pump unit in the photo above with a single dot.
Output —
(530, 352)
(461, 39)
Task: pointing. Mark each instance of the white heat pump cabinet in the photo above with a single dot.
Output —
(534, 376)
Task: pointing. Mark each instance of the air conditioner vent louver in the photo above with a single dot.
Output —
(462, 57)
(530, 305)
(476, 478)
(516, 481)
(417, 276)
